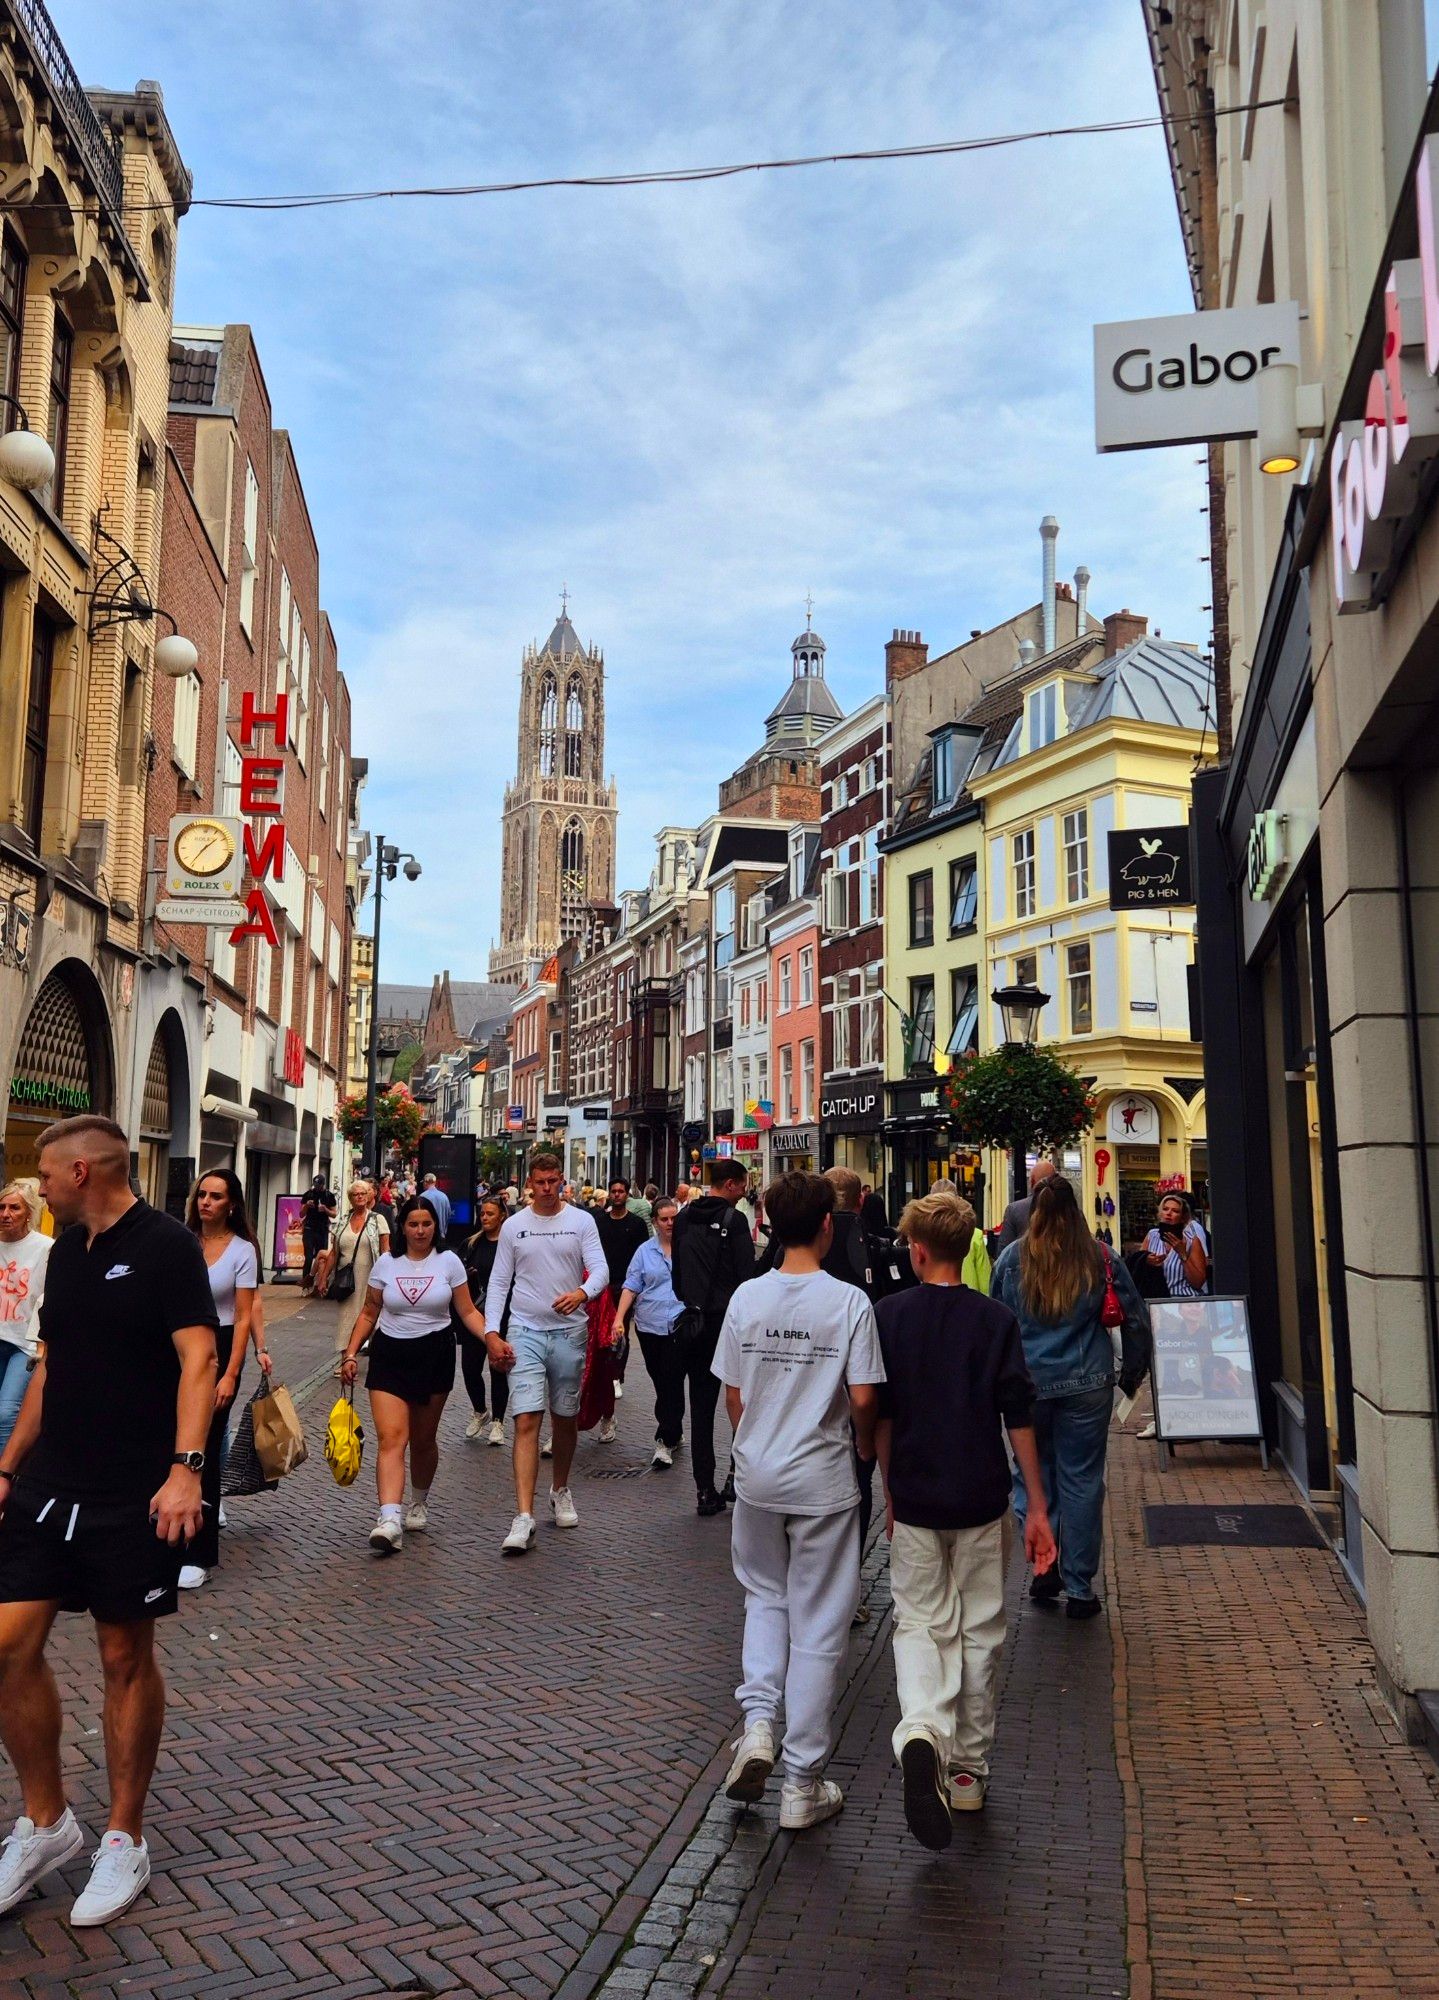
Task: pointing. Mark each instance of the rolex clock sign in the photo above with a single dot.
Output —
(203, 867)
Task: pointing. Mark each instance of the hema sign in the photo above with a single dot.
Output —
(1187, 379)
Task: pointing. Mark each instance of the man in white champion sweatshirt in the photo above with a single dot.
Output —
(549, 1264)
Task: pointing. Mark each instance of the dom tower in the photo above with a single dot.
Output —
(559, 821)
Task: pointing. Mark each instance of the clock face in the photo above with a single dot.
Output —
(204, 847)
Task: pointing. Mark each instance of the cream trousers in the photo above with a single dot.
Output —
(949, 1623)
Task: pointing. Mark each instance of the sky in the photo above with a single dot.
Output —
(689, 405)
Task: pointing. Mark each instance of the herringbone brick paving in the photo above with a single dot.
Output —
(429, 1774)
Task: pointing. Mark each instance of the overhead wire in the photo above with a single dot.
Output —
(676, 176)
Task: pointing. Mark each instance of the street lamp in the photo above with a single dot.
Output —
(387, 860)
(26, 459)
(1020, 1007)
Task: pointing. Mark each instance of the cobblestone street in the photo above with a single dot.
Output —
(449, 1774)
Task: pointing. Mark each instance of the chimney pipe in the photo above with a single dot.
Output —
(1026, 651)
(1049, 535)
(1081, 597)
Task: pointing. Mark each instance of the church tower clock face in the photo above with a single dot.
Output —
(559, 812)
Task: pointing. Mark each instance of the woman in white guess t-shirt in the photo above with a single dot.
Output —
(412, 1364)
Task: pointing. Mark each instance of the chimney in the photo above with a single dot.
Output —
(1081, 596)
(1049, 535)
(1121, 629)
(905, 654)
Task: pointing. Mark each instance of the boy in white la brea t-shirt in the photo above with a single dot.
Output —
(799, 1357)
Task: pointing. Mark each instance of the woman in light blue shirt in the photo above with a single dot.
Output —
(649, 1298)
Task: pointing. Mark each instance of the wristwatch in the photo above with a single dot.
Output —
(193, 1461)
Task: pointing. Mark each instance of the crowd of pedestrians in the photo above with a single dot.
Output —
(841, 1343)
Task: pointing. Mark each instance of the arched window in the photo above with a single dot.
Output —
(549, 722)
(574, 730)
(574, 879)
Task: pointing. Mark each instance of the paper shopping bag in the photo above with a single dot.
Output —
(279, 1440)
(243, 1471)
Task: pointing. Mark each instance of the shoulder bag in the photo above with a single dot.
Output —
(1111, 1312)
(342, 1285)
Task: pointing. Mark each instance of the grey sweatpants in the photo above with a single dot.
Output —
(801, 1583)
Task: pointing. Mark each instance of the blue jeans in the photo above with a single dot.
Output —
(14, 1381)
(1072, 1436)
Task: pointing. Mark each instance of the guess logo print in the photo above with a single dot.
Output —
(414, 1289)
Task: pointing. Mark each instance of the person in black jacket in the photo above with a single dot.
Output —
(479, 1261)
(713, 1255)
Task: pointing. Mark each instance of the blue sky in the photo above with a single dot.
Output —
(691, 405)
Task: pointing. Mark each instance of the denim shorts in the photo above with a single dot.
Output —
(548, 1361)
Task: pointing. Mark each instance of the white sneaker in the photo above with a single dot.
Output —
(417, 1517)
(753, 1762)
(808, 1804)
(387, 1537)
(966, 1792)
(606, 1431)
(121, 1870)
(31, 1851)
(475, 1426)
(562, 1506)
(664, 1458)
(497, 1430)
(192, 1576)
(224, 1517)
(619, 1392)
(521, 1537)
(547, 1447)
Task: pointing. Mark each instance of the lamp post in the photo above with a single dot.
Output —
(26, 459)
(387, 860)
(1019, 1010)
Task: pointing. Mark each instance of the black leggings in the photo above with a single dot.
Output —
(473, 1356)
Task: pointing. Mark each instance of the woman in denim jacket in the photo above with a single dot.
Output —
(1053, 1280)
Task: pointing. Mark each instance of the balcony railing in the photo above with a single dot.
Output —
(96, 143)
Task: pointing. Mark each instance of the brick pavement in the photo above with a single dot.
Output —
(431, 1774)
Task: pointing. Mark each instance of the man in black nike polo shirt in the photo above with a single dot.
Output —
(100, 1487)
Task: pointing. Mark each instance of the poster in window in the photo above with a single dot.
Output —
(289, 1245)
(1203, 1370)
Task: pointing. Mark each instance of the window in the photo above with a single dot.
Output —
(1043, 710)
(964, 998)
(37, 728)
(840, 1024)
(574, 879)
(841, 790)
(1076, 854)
(1081, 990)
(1026, 969)
(249, 551)
(62, 353)
(784, 984)
(549, 719)
(943, 784)
(869, 877)
(806, 1082)
(762, 1000)
(324, 756)
(556, 1086)
(868, 776)
(796, 862)
(786, 1085)
(1023, 851)
(744, 1001)
(806, 976)
(921, 908)
(724, 922)
(574, 731)
(921, 1014)
(963, 894)
(14, 269)
(186, 727)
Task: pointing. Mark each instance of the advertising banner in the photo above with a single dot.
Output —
(1203, 1370)
(288, 1255)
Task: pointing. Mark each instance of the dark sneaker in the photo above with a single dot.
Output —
(727, 1490)
(1083, 1607)
(707, 1501)
(926, 1804)
(1045, 1585)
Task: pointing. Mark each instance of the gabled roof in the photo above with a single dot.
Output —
(401, 1003)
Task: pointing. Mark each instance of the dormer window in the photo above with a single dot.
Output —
(1043, 712)
(944, 768)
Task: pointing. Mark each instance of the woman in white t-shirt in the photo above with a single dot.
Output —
(24, 1252)
(406, 1319)
(217, 1215)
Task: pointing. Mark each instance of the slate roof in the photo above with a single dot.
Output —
(401, 1003)
(1152, 681)
(564, 641)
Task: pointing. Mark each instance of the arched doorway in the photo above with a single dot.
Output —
(62, 1066)
(164, 1169)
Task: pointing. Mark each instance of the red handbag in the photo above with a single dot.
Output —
(1111, 1312)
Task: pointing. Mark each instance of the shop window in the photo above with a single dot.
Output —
(921, 908)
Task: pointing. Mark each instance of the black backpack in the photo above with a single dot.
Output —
(704, 1260)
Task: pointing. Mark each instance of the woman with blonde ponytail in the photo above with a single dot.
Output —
(1055, 1280)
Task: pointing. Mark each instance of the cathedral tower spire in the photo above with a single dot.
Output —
(559, 813)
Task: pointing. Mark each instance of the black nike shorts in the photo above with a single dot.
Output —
(103, 1557)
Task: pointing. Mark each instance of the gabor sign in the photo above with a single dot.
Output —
(1377, 460)
(1187, 378)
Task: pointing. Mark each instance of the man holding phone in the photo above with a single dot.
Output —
(100, 1489)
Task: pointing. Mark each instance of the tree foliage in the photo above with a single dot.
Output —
(399, 1121)
(1017, 1096)
(405, 1062)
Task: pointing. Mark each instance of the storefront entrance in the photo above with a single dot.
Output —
(62, 1066)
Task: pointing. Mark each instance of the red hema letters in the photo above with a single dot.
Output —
(260, 799)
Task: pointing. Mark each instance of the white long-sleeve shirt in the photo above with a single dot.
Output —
(543, 1256)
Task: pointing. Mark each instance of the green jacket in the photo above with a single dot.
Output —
(977, 1265)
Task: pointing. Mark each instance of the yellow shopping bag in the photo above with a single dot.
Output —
(344, 1440)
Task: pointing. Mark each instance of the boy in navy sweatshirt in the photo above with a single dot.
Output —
(957, 1381)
